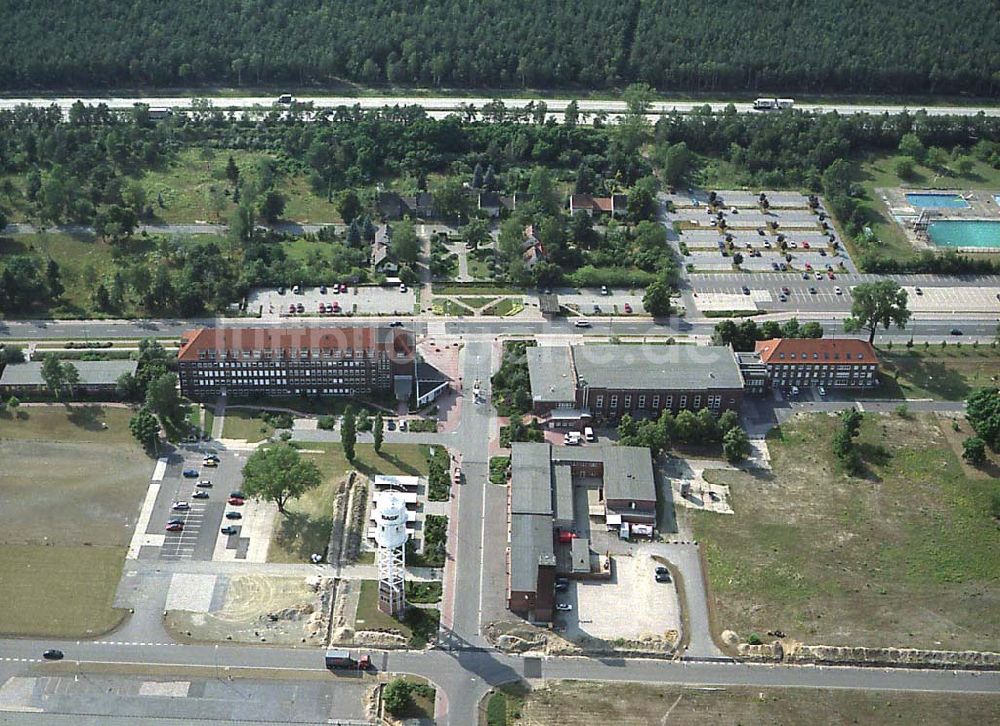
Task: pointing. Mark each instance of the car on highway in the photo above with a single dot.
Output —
(191, 473)
(204, 484)
(581, 324)
(175, 526)
(229, 529)
(236, 501)
(199, 494)
(53, 654)
(234, 515)
(564, 606)
(180, 506)
(956, 331)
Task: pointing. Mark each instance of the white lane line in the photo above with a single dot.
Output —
(139, 534)
(160, 470)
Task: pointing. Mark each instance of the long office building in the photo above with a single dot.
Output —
(322, 361)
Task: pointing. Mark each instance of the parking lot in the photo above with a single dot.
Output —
(587, 299)
(204, 519)
(358, 300)
(653, 608)
(715, 292)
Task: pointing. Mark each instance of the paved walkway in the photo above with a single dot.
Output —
(220, 418)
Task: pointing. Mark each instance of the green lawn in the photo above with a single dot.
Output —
(369, 617)
(478, 268)
(70, 493)
(243, 424)
(951, 373)
(505, 306)
(83, 262)
(190, 184)
(305, 528)
(908, 556)
(70, 422)
(64, 592)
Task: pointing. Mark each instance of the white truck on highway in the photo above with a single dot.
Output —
(773, 104)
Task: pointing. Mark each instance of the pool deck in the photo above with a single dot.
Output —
(982, 207)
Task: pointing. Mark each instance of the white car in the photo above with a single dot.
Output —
(822, 391)
(564, 606)
(180, 506)
(402, 287)
(457, 475)
(838, 290)
(582, 324)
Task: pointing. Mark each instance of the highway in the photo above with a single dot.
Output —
(443, 105)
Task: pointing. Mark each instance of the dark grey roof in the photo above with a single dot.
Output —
(92, 372)
(531, 479)
(580, 551)
(577, 453)
(563, 509)
(548, 303)
(550, 369)
(678, 367)
(628, 473)
(530, 543)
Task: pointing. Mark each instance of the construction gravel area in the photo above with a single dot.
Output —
(257, 608)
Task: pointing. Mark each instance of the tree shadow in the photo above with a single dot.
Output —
(89, 416)
(302, 535)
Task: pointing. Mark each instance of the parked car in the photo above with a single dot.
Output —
(291, 308)
(281, 289)
(812, 290)
(784, 267)
(456, 475)
(805, 245)
(234, 515)
(238, 494)
(604, 290)
(821, 391)
(663, 577)
(822, 253)
(562, 586)
(296, 290)
(191, 473)
(774, 266)
(205, 484)
(785, 290)
(564, 606)
(53, 654)
(199, 494)
(180, 506)
(229, 529)
(235, 501)
(402, 287)
(390, 424)
(322, 289)
(809, 267)
(175, 526)
(746, 290)
(628, 307)
(838, 290)
(396, 324)
(210, 463)
(819, 275)
(918, 291)
(300, 308)
(661, 570)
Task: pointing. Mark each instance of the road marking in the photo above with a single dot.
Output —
(139, 534)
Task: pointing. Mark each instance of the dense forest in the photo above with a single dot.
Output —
(859, 46)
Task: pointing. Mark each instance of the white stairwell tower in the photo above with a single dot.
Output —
(390, 554)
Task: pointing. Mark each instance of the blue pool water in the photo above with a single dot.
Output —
(964, 233)
(936, 200)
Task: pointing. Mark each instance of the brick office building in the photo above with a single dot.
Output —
(324, 361)
(574, 383)
(827, 362)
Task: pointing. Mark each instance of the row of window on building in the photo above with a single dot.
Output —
(294, 353)
(713, 402)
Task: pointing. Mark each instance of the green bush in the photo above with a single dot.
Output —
(327, 423)
(422, 425)
(498, 469)
(439, 474)
(397, 696)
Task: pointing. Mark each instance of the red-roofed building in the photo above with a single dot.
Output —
(616, 205)
(828, 362)
(323, 361)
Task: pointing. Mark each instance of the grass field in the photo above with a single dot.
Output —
(631, 704)
(83, 261)
(950, 373)
(194, 186)
(908, 556)
(70, 493)
(305, 529)
(369, 617)
(241, 424)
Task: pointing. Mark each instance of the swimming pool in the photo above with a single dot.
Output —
(936, 200)
(965, 233)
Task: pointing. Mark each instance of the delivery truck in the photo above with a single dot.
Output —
(343, 660)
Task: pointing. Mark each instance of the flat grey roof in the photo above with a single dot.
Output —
(530, 541)
(628, 473)
(531, 479)
(550, 369)
(563, 476)
(92, 372)
(636, 367)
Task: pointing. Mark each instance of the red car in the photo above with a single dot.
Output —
(343, 287)
(805, 245)
(175, 527)
(831, 276)
(322, 307)
(628, 307)
(808, 266)
(235, 501)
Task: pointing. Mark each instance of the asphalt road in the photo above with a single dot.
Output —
(441, 105)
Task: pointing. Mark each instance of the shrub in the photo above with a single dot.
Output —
(397, 697)
(327, 423)
(754, 639)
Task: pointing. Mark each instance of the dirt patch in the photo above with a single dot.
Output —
(258, 608)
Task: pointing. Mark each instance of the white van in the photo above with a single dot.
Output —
(588, 434)
(572, 438)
